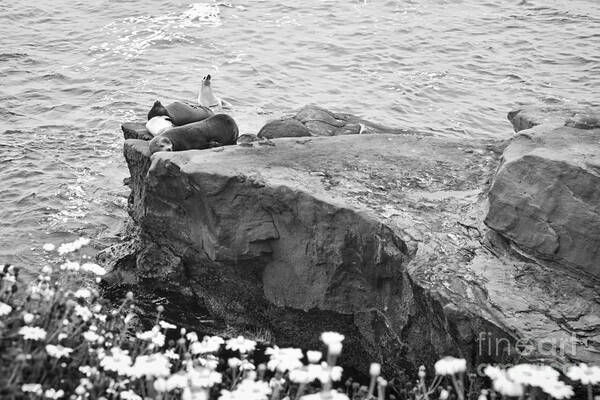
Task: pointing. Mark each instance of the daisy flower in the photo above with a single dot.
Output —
(31, 388)
(286, 359)
(154, 365)
(32, 333)
(330, 338)
(58, 351)
(93, 268)
(240, 344)
(585, 374)
(54, 394)
(48, 247)
(5, 309)
(450, 366)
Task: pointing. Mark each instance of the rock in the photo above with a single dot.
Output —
(581, 118)
(283, 128)
(546, 194)
(379, 237)
(136, 130)
(584, 121)
(247, 138)
(317, 121)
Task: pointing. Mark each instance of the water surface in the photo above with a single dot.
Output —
(72, 71)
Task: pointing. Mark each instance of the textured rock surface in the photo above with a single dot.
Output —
(546, 194)
(317, 121)
(380, 237)
(136, 130)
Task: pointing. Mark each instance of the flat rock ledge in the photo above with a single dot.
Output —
(412, 246)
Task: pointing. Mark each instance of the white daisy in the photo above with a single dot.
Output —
(154, 336)
(285, 359)
(48, 247)
(5, 309)
(93, 268)
(450, 366)
(210, 344)
(32, 333)
(83, 312)
(32, 388)
(28, 318)
(54, 394)
(154, 365)
(129, 395)
(118, 361)
(58, 351)
(83, 293)
(585, 374)
(330, 395)
(240, 344)
(166, 325)
(314, 356)
(330, 338)
(558, 390)
(203, 378)
(73, 246)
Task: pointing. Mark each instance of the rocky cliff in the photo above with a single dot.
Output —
(391, 239)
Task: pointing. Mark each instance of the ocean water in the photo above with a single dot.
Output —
(71, 71)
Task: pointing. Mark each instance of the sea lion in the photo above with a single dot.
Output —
(218, 130)
(180, 113)
(207, 98)
(159, 124)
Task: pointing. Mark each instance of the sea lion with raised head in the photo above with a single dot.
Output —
(206, 97)
(218, 130)
(180, 113)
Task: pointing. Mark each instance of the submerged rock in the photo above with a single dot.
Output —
(379, 237)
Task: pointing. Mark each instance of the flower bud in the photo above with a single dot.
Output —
(375, 369)
(28, 318)
(314, 356)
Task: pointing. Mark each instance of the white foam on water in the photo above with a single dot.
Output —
(134, 35)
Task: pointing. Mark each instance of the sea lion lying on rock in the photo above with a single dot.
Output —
(218, 130)
(317, 121)
(180, 113)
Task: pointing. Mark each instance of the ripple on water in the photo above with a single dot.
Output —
(454, 68)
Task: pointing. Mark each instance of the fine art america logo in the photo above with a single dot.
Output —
(493, 346)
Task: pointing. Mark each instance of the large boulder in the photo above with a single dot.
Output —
(316, 121)
(380, 237)
(546, 194)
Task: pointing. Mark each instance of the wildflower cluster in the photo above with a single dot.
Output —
(529, 379)
(57, 343)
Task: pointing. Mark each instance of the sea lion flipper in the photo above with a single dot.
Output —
(157, 110)
(214, 143)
